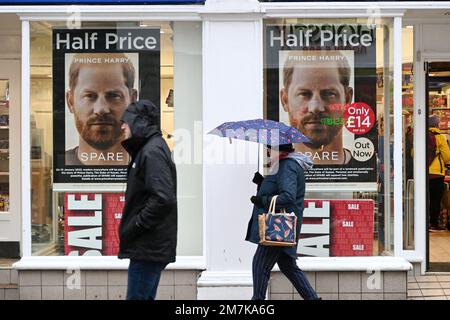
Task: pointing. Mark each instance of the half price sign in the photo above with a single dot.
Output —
(359, 118)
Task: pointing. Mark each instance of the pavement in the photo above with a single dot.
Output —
(432, 286)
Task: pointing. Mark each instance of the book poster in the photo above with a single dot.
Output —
(97, 73)
(321, 80)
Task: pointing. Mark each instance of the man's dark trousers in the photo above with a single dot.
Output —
(143, 279)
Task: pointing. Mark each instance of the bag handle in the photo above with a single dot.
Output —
(273, 204)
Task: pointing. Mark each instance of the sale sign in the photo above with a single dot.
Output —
(92, 222)
(114, 204)
(337, 228)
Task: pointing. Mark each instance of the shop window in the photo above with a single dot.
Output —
(4, 145)
(333, 81)
(78, 173)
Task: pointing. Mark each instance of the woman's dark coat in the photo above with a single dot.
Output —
(288, 182)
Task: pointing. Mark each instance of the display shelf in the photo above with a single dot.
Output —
(4, 127)
(438, 101)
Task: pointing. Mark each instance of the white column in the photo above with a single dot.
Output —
(232, 90)
(398, 144)
(25, 140)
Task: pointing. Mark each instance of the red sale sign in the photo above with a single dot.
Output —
(92, 222)
(337, 228)
(352, 228)
(114, 203)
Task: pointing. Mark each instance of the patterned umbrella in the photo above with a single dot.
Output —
(263, 131)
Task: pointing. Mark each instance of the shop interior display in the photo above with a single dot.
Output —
(439, 103)
(4, 145)
(42, 229)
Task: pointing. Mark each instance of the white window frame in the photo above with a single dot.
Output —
(288, 10)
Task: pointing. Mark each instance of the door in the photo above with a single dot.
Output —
(437, 80)
(10, 168)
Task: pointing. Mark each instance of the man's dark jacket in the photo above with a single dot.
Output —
(148, 229)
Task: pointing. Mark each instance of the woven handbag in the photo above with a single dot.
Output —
(277, 229)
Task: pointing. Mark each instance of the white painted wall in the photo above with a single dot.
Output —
(436, 38)
(232, 82)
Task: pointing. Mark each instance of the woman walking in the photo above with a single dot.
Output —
(287, 180)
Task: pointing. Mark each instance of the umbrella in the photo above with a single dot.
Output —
(267, 132)
(263, 131)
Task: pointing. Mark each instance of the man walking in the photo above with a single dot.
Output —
(148, 229)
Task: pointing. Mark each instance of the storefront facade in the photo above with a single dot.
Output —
(204, 64)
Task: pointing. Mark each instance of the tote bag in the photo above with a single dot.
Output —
(277, 229)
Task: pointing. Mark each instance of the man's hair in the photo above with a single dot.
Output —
(85, 59)
(342, 65)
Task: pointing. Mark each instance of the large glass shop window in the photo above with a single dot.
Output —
(82, 80)
(332, 80)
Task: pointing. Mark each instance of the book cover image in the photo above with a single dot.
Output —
(97, 73)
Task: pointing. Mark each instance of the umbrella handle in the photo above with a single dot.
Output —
(259, 147)
(259, 151)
